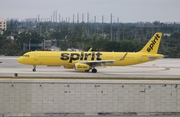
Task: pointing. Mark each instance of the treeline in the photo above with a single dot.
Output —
(128, 37)
(7, 47)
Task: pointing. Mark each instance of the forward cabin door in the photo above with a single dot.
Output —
(35, 56)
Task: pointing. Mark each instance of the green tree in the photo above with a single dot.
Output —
(11, 49)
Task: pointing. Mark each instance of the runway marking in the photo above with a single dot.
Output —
(45, 74)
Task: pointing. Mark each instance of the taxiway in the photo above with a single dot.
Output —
(163, 68)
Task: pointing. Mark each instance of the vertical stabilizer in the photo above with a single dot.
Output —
(153, 44)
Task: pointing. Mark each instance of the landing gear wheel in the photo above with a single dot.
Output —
(34, 70)
(94, 70)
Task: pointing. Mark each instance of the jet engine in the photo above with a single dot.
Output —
(81, 67)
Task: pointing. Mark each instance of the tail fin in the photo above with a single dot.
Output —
(153, 44)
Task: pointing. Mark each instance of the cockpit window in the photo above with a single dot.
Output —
(26, 55)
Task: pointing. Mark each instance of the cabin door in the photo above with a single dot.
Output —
(140, 58)
(35, 56)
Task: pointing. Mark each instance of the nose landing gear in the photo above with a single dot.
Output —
(34, 69)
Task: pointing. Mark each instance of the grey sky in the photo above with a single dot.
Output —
(126, 10)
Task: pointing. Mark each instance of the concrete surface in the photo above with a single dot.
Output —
(67, 97)
(88, 97)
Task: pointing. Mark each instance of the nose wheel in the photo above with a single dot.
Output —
(34, 69)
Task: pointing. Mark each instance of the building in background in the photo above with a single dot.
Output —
(3, 24)
(51, 45)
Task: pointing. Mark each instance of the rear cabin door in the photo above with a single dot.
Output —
(140, 58)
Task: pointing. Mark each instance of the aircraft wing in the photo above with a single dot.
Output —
(101, 62)
(97, 62)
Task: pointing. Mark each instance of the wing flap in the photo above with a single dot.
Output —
(98, 61)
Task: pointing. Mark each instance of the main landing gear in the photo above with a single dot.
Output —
(94, 70)
(34, 69)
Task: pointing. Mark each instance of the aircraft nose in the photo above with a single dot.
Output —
(19, 60)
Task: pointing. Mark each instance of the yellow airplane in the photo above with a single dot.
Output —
(85, 61)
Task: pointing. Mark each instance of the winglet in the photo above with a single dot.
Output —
(153, 44)
(89, 49)
(124, 56)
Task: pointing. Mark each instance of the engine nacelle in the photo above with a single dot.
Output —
(81, 67)
(68, 66)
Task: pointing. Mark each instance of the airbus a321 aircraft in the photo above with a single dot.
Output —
(85, 61)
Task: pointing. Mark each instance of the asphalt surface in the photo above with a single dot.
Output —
(103, 116)
(162, 68)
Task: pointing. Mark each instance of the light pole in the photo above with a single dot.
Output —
(43, 44)
(29, 44)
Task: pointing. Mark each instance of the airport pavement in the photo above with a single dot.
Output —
(162, 68)
(102, 116)
(99, 115)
